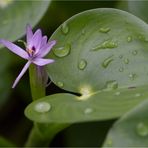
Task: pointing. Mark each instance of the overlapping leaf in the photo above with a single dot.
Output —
(16, 14)
(131, 130)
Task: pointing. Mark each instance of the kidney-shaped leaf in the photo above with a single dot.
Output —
(131, 130)
(98, 47)
(16, 14)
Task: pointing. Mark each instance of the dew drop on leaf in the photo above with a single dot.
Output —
(117, 93)
(142, 129)
(126, 61)
(120, 56)
(107, 61)
(88, 110)
(5, 3)
(137, 95)
(64, 28)
(112, 85)
(141, 37)
(104, 29)
(42, 107)
(83, 32)
(82, 64)
(62, 51)
(109, 143)
(121, 69)
(60, 84)
(132, 76)
(129, 39)
(134, 52)
(5, 22)
(106, 44)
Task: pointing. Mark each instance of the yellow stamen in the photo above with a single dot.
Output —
(30, 51)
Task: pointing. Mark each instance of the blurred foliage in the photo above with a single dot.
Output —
(132, 127)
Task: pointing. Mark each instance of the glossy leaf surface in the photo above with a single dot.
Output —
(99, 46)
(67, 108)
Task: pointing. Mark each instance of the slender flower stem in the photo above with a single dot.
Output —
(37, 85)
(37, 91)
(41, 134)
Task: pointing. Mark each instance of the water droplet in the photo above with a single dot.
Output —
(112, 85)
(60, 84)
(142, 129)
(104, 29)
(134, 52)
(106, 44)
(5, 3)
(120, 56)
(132, 76)
(126, 61)
(129, 38)
(107, 61)
(42, 107)
(64, 28)
(117, 93)
(83, 32)
(137, 95)
(109, 143)
(62, 51)
(121, 69)
(88, 110)
(82, 64)
(141, 37)
(5, 22)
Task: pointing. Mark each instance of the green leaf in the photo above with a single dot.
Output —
(67, 108)
(131, 130)
(97, 47)
(16, 14)
(5, 143)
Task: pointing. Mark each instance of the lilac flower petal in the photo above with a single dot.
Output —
(29, 33)
(46, 49)
(21, 73)
(42, 62)
(36, 40)
(14, 48)
(44, 41)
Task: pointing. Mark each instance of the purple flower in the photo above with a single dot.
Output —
(36, 48)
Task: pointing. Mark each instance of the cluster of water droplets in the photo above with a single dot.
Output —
(106, 44)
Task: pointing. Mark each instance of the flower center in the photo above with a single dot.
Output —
(31, 51)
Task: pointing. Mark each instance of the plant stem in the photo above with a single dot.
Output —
(37, 85)
(41, 134)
